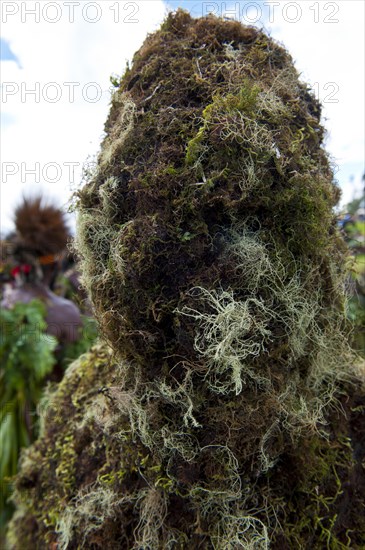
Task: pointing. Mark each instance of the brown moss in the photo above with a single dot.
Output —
(211, 255)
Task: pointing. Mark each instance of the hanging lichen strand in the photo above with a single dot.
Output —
(211, 254)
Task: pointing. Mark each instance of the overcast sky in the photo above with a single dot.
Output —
(57, 57)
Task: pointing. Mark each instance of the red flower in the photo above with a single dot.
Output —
(15, 271)
(24, 268)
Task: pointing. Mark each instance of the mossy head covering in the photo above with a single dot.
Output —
(211, 254)
(211, 180)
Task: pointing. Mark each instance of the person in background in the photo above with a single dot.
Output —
(29, 359)
(68, 285)
(41, 235)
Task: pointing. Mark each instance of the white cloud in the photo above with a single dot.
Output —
(330, 55)
(79, 52)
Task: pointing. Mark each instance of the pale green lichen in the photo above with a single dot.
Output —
(211, 254)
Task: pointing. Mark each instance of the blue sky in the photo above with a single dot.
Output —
(5, 51)
(68, 133)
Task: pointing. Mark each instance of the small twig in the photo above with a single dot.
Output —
(153, 93)
(198, 67)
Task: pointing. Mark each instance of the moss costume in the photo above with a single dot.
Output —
(226, 410)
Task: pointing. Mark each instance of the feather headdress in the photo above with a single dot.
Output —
(41, 228)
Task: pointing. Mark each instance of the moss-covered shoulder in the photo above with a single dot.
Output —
(67, 454)
(89, 482)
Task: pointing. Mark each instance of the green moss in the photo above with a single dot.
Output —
(210, 253)
(320, 493)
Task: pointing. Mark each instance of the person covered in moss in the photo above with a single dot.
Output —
(226, 407)
(41, 235)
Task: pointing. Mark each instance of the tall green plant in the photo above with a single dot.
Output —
(26, 357)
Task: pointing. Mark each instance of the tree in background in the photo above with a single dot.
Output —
(353, 224)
